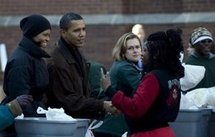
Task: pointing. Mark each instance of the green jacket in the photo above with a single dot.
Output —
(95, 77)
(209, 64)
(124, 76)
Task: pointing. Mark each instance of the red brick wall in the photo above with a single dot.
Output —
(101, 38)
(23, 7)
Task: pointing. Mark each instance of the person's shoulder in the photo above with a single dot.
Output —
(122, 63)
(122, 67)
(19, 57)
(57, 55)
(95, 63)
(19, 52)
(57, 58)
(117, 65)
(212, 55)
(51, 48)
(190, 59)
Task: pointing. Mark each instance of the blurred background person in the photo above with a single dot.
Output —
(202, 42)
(138, 30)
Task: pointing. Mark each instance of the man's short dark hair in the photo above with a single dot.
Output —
(67, 18)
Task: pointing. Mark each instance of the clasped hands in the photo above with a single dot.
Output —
(109, 108)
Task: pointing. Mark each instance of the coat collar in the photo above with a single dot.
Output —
(65, 51)
(30, 47)
(196, 54)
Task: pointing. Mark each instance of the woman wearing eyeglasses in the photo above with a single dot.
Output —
(125, 74)
(202, 42)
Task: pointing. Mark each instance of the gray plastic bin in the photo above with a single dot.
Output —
(40, 127)
(211, 125)
(191, 123)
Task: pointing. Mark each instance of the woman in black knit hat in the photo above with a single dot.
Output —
(26, 71)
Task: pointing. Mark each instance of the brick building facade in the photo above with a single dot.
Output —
(107, 20)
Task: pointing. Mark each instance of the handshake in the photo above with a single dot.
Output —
(109, 108)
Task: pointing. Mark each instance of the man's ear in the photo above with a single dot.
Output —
(62, 32)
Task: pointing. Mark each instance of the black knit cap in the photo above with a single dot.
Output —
(33, 25)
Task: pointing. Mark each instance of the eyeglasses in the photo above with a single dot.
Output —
(205, 41)
(133, 47)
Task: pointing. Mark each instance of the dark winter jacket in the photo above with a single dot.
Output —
(69, 86)
(208, 63)
(26, 73)
(154, 103)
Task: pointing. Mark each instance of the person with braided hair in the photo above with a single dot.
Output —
(156, 99)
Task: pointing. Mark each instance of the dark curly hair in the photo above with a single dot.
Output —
(164, 49)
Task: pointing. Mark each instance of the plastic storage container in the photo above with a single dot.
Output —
(191, 123)
(211, 125)
(40, 127)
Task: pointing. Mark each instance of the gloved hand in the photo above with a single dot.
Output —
(24, 100)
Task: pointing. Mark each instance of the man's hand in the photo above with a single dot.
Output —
(105, 80)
